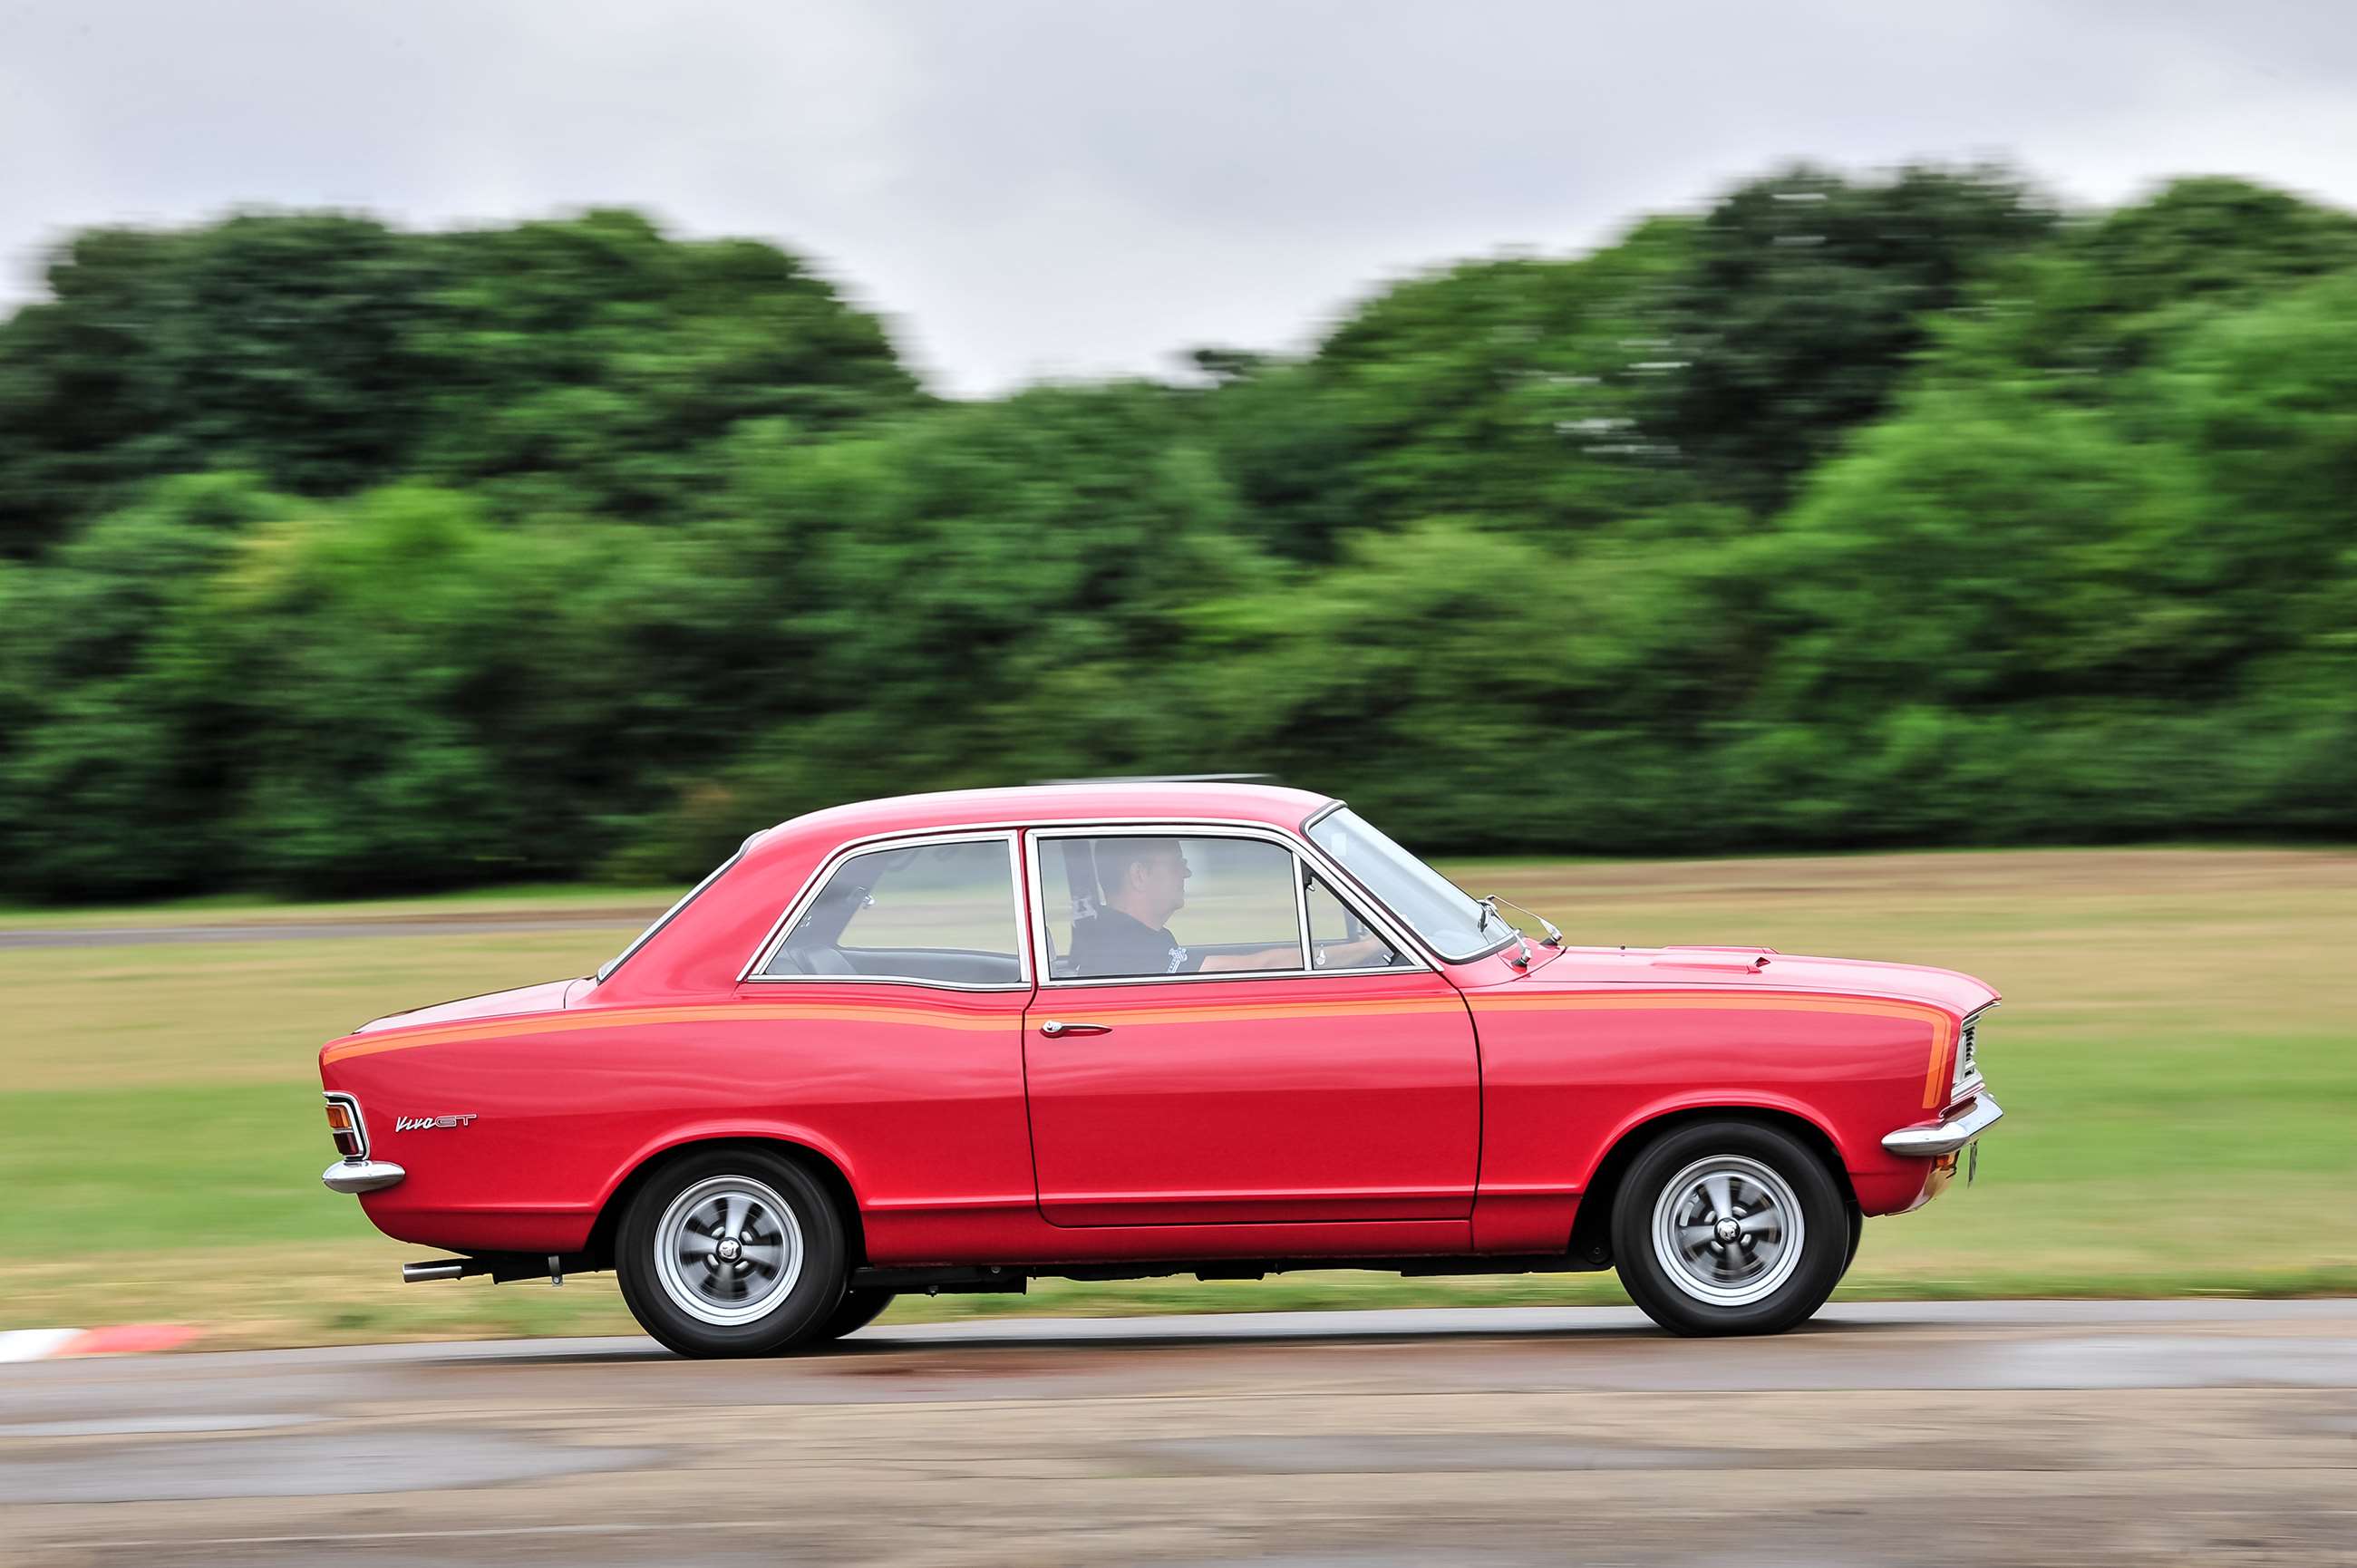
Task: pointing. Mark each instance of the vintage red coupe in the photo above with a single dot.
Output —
(1102, 1031)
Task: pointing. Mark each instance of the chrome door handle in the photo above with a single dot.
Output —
(1055, 1028)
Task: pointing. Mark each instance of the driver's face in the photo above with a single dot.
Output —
(1165, 878)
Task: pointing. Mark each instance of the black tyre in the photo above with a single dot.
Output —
(857, 1309)
(1729, 1227)
(1856, 1233)
(731, 1253)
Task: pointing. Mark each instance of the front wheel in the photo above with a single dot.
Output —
(731, 1253)
(1729, 1227)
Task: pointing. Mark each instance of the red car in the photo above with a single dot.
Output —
(1105, 1031)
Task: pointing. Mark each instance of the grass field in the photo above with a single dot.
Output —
(2177, 1055)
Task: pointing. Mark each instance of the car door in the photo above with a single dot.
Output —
(890, 1000)
(1213, 1071)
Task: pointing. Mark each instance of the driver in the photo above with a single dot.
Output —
(1145, 883)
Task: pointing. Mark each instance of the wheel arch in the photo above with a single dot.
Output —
(824, 1166)
(1591, 1224)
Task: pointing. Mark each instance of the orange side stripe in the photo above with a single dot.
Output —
(623, 1018)
(1943, 1027)
(499, 1028)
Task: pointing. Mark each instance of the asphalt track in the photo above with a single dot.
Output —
(1959, 1434)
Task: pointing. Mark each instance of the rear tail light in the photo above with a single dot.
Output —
(1968, 1053)
(345, 1127)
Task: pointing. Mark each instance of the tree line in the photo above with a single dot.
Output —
(1912, 510)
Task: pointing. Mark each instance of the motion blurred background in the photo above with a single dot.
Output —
(451, 449)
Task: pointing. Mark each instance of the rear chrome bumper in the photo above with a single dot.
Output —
(1945, 1137)
(361, 1175)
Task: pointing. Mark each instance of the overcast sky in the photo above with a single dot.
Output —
(1031, 189)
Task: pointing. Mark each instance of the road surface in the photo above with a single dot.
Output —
(1960, 1434)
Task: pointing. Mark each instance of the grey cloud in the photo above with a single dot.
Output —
(1084, 189)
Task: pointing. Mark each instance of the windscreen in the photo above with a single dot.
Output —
(1446, 917)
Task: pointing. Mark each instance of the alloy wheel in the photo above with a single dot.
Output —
(728, 1249)
(1727, 1230)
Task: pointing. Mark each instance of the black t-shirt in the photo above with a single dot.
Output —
(1110, 943)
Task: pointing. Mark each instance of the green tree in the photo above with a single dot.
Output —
(418, 700)
(1981, 550)
(1504, 389)
(2265, 401)
(593, 365)
(1805, 298)
(1854, 513)
(981, 594)
(1478, 690)
(589, 365)
(1998, 620)
(2117, 287)
(282, 346)
(116, 760)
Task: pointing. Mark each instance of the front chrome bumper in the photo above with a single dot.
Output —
(1945, 1137)
(361, 1175)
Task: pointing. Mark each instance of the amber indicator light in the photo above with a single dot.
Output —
(339, 1122)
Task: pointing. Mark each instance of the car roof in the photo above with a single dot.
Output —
(1081, 801)
(702, 942)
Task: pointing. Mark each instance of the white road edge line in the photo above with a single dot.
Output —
(323, 1539)
(35, 1344)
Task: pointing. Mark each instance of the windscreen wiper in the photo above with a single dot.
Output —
(1489, 907)
(1554, 932)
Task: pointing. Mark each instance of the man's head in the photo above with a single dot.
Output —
(1144, 878)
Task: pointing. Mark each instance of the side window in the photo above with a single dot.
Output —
(942, 913)
(1339, 939)
(1150, 905)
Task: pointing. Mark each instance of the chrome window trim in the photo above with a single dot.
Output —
(946, 830)
(906, 838)
(1301, 911)
(1303, 852)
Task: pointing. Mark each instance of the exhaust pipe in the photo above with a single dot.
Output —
(503, 1267)
(440, 1269)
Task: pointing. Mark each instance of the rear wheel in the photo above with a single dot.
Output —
(1729, 1227)
(731, 1253)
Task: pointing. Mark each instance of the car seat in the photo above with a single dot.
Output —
(812, 946)
(1088, 897)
